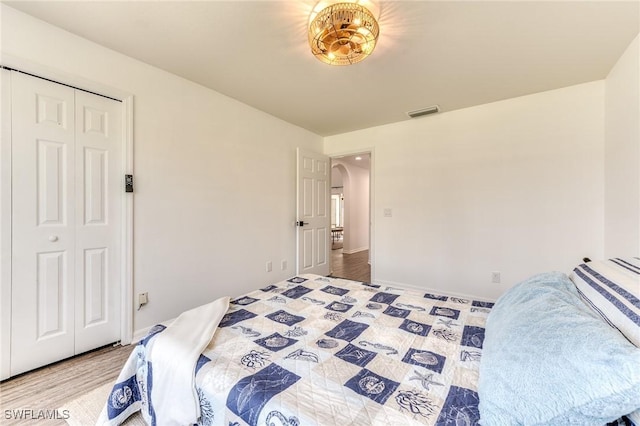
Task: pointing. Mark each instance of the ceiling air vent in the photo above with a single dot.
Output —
(424, 111)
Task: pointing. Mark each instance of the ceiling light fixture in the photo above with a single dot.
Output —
(343, 33)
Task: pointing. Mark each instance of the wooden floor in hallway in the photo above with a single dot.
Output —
(351, 266)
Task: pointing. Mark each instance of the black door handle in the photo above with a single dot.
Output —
(301, 223)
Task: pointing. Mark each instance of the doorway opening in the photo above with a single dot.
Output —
(350, 216)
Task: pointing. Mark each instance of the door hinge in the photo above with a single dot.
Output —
(128, 183)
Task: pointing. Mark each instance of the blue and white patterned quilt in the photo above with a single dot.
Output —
(325, 351)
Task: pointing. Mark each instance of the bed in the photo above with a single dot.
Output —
(316, 350)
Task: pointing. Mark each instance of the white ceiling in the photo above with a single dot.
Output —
(452, 53)
(359, 160)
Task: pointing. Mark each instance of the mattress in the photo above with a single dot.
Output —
(314, 350)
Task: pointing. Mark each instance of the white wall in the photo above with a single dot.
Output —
(356, 206)
(337, 188)
(622, 155)
(215, 179)
(514, 186)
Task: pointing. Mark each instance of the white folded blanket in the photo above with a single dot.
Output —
(174, 354)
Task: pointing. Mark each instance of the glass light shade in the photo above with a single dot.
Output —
(343, 34)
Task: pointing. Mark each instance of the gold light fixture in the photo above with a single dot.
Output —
(343, 34)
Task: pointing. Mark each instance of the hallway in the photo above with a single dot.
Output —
(351, 266)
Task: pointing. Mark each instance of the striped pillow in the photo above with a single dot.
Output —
(612, 288)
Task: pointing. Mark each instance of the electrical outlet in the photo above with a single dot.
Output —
(495, 277)
(143, 299)
(284, 265)
(269, 266)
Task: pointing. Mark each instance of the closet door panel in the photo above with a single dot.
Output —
(99, 187)
(43, 220)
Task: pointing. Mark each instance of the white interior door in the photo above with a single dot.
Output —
(313, 213)
(98, 190)
(65, 226)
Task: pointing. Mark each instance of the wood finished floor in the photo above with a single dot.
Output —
(352, 266)
(50, 387)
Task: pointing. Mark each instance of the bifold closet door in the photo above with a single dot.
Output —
(65, 228)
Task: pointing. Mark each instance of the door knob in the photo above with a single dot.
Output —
(53, 238)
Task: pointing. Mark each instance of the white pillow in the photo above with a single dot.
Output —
(612, 288)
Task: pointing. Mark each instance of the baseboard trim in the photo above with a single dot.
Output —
(354, 250)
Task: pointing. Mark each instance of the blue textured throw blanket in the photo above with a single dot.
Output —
(550, 360)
